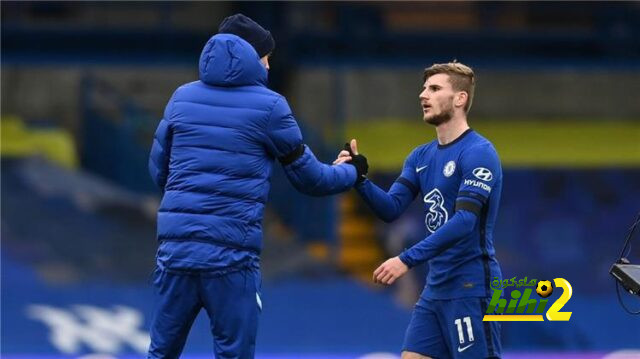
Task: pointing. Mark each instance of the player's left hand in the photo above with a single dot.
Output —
(389, 271)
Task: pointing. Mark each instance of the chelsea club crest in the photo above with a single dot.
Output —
(449, 168)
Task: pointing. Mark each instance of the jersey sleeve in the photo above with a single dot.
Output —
(481, 170)
(459, 226)
(388, 206)
(408, 176)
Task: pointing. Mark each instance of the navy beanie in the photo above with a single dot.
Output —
(250, 31)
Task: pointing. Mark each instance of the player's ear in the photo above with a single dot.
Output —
(461, 98)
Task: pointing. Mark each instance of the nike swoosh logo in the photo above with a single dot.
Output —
(418, 169)
(460, 350)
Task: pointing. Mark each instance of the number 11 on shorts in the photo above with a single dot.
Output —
(467, 322)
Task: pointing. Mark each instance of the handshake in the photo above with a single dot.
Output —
(351, 156)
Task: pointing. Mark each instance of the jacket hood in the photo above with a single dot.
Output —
(228, 60)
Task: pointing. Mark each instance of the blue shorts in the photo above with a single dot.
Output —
(232, 302)
(452, 329)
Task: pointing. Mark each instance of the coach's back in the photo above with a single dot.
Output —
(218, 139)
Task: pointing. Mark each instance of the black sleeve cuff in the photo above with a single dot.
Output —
(472, 207)
(292, 156)
(408, 184)
(482, 199)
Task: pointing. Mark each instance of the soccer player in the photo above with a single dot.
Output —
(459, 179)
(212, 157)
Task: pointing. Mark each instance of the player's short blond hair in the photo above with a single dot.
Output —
(461, 78)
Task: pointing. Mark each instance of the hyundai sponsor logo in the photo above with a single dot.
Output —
(483, 174)
(474, 183)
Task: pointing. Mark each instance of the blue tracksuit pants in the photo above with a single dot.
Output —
(232, 302)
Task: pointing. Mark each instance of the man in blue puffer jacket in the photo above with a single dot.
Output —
(212, 157)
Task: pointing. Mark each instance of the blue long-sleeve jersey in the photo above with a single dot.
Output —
(460, 185)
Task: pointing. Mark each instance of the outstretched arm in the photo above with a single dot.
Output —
(304, 171)
(388, 206)
(312, 177)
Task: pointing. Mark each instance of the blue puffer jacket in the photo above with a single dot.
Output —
(212, 157)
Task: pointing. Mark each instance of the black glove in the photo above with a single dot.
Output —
(359, 162)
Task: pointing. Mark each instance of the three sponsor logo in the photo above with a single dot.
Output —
(437, 215)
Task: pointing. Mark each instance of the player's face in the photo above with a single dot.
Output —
(436, 99)
(265, 61)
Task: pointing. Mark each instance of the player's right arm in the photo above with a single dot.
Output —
(389, 205)
(283, 140)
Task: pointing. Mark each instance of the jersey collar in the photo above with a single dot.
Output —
(469, 130)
